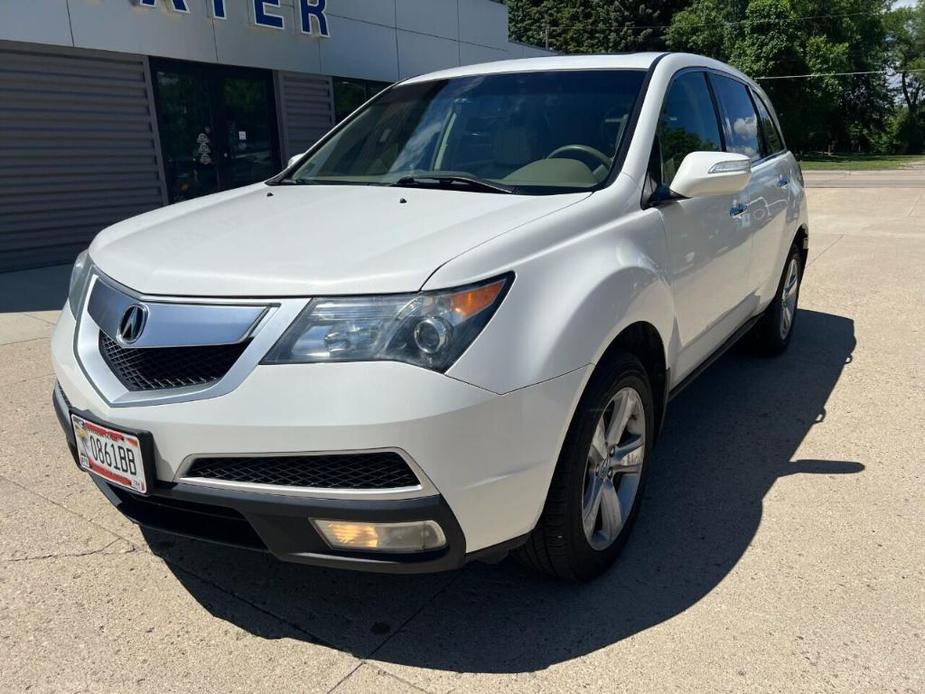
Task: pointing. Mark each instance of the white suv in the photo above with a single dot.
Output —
(448, 330)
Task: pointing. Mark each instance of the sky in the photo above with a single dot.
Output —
(904, 3)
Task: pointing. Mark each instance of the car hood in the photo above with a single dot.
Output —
(308, 240)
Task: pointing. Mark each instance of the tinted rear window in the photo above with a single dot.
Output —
(771, 137)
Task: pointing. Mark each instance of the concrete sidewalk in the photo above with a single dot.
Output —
(781, 546)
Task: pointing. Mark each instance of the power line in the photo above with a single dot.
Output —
(839, 74)
(795, 19)
(731, 22)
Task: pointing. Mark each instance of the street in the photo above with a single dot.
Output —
(781, 545)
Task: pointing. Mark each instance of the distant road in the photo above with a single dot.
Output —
(913, 177)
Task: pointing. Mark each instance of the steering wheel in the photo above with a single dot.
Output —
(598, 156)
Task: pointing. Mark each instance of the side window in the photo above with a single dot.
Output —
(772, 139)
(687, 124)
(740, 121)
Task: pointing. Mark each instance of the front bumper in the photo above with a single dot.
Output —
(485, 460)
(279, 524)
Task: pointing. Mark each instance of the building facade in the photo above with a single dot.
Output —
(109, 108)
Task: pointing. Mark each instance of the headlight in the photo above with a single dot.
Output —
(80, 277)
(429, 329)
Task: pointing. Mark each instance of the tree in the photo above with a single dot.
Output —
(906, 32)
(592, 26)
(704, 27)
(769, 39)
(785, 38)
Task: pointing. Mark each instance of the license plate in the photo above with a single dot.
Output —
(112, 454)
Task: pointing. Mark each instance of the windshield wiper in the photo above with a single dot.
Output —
(448, 180)
(291, 182)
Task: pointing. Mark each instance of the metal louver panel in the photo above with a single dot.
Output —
(78, 149)
(306, 108)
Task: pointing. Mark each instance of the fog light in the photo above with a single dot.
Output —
(415, 536)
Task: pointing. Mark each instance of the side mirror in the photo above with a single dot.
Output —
(703, 174)
(294, 159)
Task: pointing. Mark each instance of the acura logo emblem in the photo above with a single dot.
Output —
(133, 323)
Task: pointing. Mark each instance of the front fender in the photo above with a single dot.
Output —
(574, 292)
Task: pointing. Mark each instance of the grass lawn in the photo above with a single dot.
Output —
(858, 162)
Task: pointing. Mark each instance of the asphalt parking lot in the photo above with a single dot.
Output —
(781, 546)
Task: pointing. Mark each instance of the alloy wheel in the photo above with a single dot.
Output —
(614, 468)
(788, 298)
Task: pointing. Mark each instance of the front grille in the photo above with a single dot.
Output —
(157, 368)
(342, 471)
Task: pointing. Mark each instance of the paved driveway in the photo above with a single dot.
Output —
(781, 546)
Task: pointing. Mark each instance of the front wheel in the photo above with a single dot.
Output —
(596, 488)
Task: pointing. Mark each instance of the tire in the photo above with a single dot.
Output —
(559, 544)
(772, 334)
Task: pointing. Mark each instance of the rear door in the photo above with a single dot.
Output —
(771, 244)
(763, 219)
(708, 244)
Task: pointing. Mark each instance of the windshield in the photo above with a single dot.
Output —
(530, 133)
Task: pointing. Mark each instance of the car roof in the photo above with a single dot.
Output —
(622, 61)
(628, 61)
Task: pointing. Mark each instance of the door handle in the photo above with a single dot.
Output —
(737, 210)
(783, 182)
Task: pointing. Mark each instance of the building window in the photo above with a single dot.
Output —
(217, 126)
(349, 95)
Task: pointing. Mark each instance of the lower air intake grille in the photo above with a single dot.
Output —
(343, 471)
(158, 368)
(204, 521)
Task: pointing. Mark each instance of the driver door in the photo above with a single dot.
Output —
(709, 241)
